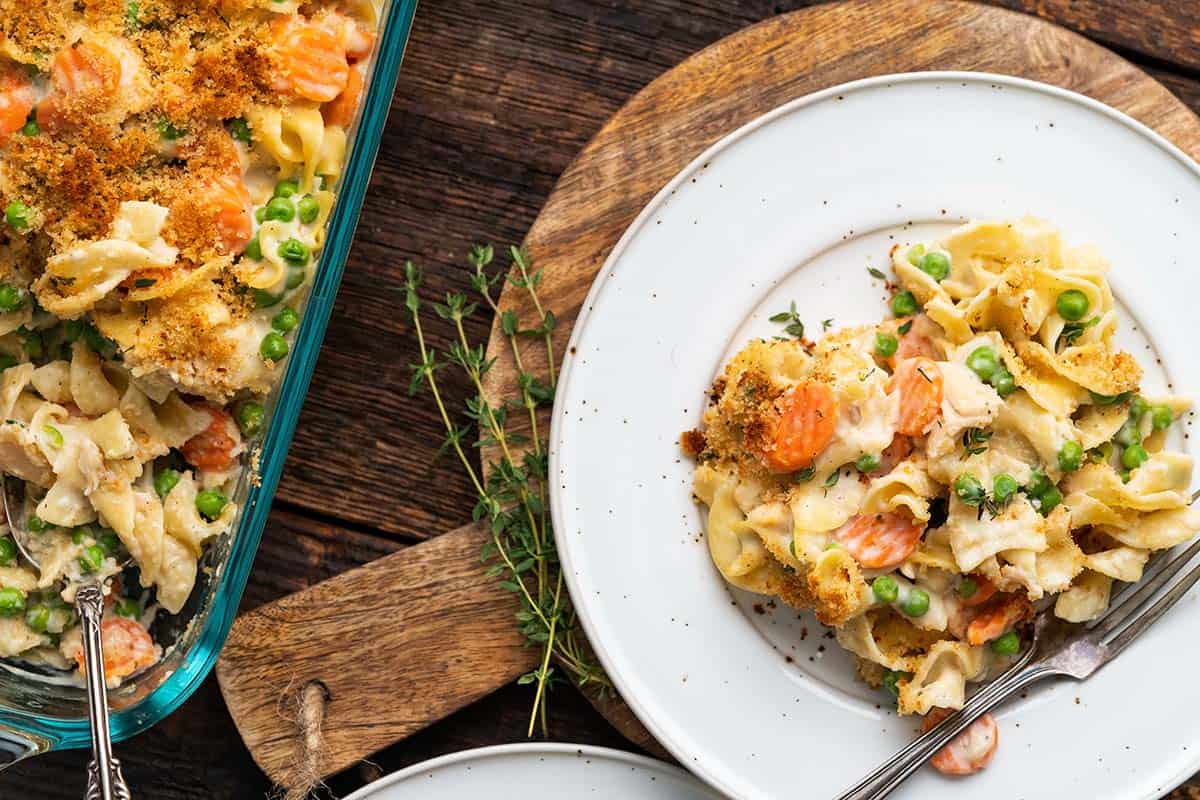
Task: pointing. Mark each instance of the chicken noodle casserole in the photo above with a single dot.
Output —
(925, 484)
(166, 172)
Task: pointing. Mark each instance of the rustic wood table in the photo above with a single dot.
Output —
(493, 101)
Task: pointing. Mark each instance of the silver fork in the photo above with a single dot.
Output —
(1058, 649)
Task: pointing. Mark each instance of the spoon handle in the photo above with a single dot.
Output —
(105, 781)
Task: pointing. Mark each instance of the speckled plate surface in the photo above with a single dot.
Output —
(795, 206)
(538, 771)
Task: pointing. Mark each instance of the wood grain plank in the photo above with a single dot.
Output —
(396, 644)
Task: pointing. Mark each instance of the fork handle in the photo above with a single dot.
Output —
(105, 781)
(893, 772)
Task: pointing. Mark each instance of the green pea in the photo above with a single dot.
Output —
(38, 617)
(1134, 456)
(36, 524)
(239, 129)
(54, 436)
(1137, 407)
(983, 362)
(1161, 417)
(32, 342)
(904, 304)
(274, 347)
(1049, 500)
(1128, 434)
(309, 209)
(1070, 456)
(72, 329)
(31, 128)
(264, 299)
(286, 188)
(296, 277)
(253, 249)
(91, 558)
(81, 534)
(914, 254)
(210, 502)
(11, 298)
(936, 265)
(1038, 484)
(917, 602)
(287, 319)
(967, 588)
(164, 481)
(1072, 305)
(1106, 399)
(886, 344)
(16, 214)
(867, 462)
(969, 489)
(110, 543)
(294, 252)
(6, 361)
(8, 552)
(260, 214)
(885, 589)
(1002, 381)
(250, 418)
(168, 131)
(890, 681)
(127, 607)
(1004, 487)
(1007, 645)
(281, 209)
(12, 601)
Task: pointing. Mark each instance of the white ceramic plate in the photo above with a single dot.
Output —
(795, 206)
(538, 771)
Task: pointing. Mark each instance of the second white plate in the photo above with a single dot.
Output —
(538, 771)
(796, 206)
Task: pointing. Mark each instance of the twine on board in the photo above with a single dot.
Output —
(310, 743)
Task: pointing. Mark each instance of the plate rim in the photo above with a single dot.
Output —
(567, 562)
(520, 748)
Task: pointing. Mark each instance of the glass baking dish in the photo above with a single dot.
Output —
(40, 712)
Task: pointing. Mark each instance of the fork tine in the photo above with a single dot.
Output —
(1151, 614)
(1117, 616)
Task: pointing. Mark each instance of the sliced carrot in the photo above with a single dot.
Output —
(984, 591)
(912, 344)
(311, 61)
(86, 67)
(16, 100)
(807, 419)
(880, 541)
(128, 648)
(231, 206)
(340, 110)
(212, 448)
(997, 617)
(970, 751)
(919, 382)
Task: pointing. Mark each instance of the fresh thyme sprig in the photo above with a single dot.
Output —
(512, 496)
(791, 320)
(975, 441)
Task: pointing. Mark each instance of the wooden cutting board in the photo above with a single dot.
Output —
(408, 639)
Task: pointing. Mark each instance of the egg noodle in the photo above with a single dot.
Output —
(166, 173)
(926, 484)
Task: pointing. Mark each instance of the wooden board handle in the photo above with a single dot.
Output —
(397, 644)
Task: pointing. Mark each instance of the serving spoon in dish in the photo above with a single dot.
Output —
(105, 781)
(1058, 649)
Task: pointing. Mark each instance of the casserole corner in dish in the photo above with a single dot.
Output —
(180, 185)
